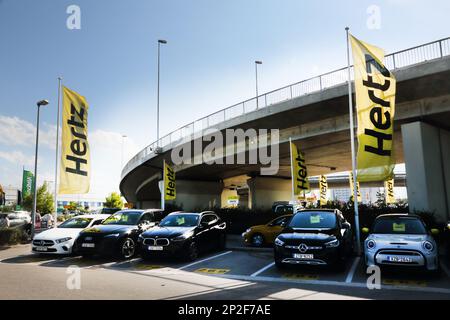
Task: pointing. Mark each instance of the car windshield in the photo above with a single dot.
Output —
(399, 225)
(180, 220)
(313, 220)
(124, 218)
(76, 223)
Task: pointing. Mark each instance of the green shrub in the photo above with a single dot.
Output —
(12, 236)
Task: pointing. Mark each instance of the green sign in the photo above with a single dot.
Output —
(27, 183)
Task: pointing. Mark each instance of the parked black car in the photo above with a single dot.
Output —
(117, 235)
(314, 237)
(185, 235)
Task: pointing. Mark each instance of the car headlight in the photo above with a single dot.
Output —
(332, 244)
(371, 244)
(279, 242)
(427, 245)
(248, 230)
(184, 236)
(63, 240)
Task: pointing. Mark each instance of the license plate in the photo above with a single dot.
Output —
(303, 256)
(155, 248)
(399, 259)
(88, 245)
(41, 248)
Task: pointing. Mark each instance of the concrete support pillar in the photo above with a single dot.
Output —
(264, 191)
(198, 195)
(427, 159)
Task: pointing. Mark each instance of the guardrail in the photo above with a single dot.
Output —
(425, 52)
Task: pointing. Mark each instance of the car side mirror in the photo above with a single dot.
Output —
(365, 230)
(435, 232)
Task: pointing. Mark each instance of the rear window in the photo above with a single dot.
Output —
(399, 226)
(313, 220)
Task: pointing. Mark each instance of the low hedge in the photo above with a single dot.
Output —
(11, 236)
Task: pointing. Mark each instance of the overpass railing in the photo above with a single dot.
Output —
(425, 52)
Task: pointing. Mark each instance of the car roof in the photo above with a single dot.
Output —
(93, 216)
(398, 215)
(184, 212)
(320, 210)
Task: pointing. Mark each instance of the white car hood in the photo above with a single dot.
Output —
(399, 237)
(58, 233)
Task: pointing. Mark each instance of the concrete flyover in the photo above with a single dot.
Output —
(314, 113)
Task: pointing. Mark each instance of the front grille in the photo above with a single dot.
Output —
(401, 252)
(156, 242)
(43, 243)
(309, 248)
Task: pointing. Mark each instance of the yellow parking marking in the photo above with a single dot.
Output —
(148, 267)
(212, 271)
(411, 283)
(298, 276)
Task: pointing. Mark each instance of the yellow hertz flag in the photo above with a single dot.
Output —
(170, 191)
(299, 172)
(352, 190)
(75, 154)
(389, 191)
(375, 102)
(323, 187)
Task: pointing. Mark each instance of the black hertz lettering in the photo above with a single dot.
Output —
(302, 183)
(78, 146)
(170, 191)
(380, 120)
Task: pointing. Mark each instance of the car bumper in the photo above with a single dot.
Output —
(174, 249)
(406, 259)
(324, 257)
(104, 246)
(60, 248)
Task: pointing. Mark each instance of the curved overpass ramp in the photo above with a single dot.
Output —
(314, 113)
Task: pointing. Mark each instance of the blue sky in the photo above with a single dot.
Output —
(206, 65)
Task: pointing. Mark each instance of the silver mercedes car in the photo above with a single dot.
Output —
(401, 240)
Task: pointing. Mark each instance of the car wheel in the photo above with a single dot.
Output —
(192, 252)
(127, 248)
(257, 240)
(222, 242)
(279, 264)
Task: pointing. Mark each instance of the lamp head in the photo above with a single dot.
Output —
(162, 41)
(258, 62)
(42, 103)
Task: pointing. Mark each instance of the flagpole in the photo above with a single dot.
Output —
(292, 172)
(55, 217)
(352, 142)
(163, 187)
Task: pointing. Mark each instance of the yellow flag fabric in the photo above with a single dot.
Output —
(323, 187)
(75, 153)
(170, 192)
(389, 191)
(352, 190)
(300, 182)
(375, 88)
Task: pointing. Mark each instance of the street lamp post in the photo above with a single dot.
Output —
(256, 77)
(160, 41)
(33, 213)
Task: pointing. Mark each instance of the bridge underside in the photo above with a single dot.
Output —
(317, 123)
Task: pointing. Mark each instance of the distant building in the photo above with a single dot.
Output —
(12, 196)
(86, 201)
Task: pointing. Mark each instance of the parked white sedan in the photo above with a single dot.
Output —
(60, 240)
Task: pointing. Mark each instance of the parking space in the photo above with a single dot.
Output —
(248, 265)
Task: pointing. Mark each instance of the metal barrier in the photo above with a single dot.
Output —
(429, 51)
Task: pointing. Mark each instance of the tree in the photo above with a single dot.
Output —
(114, 201)
(44, 202)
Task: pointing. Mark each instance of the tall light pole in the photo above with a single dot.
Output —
(33, 213)
(55, 217)
(256, 77)
(160, 41)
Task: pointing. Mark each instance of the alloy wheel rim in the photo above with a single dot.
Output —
(257, 240)
(128, 248)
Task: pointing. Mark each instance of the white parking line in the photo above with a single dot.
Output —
(270, 265)
(352, 270)
(334, 283)
(207, 259)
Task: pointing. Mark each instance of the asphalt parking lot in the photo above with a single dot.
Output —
(246, 267)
